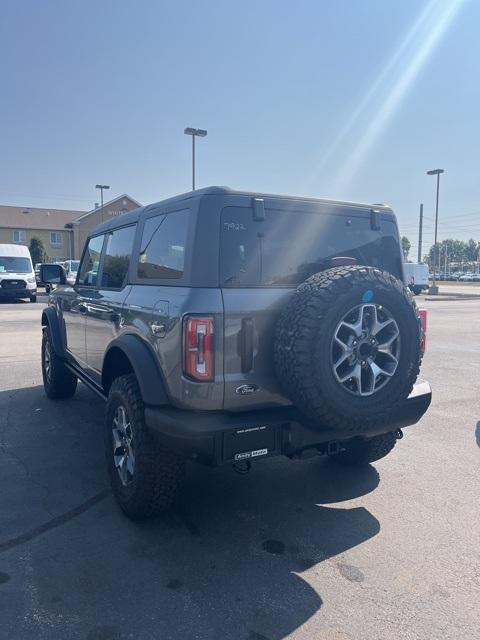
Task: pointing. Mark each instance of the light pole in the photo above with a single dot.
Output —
(435, 172)
(102, 187)
(201, 133)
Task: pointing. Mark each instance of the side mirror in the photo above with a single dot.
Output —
(52, 274)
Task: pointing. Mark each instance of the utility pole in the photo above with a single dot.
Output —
(102, 187)
(434, 289)
(420, 233)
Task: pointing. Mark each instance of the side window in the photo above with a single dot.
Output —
(90, 262)
(162, 252)
(117, 257)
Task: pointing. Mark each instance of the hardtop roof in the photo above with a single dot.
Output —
(132, 216)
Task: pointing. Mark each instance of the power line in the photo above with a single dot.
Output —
(46, 196)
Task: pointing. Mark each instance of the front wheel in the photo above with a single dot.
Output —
(145, 476)
(33, 298)
(360, 451)
(58, 381)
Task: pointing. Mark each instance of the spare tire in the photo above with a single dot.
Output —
(348, 347)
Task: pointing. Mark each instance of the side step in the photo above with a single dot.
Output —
(86, 380)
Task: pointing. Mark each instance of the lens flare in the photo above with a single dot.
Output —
(383, 99)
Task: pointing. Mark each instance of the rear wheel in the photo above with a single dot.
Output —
(33, 298)
(145, 476)
(58, 381)
(362, 451)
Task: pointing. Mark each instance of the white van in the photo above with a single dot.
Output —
(17, 277)
(416, 276)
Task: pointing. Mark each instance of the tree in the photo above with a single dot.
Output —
(406, 246)
(455, 252)
(471, 250)
(37, 250)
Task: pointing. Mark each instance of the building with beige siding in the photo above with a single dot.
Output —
(62, 231)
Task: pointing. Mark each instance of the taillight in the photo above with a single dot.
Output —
(198, 348)
(423, 321)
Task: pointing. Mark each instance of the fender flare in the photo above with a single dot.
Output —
(145, 367)
(50, 320)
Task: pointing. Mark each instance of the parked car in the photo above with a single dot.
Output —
(416, 276)
(467, 277)
(37, 273)
(225, 327)
(71, 268)
(17, 276)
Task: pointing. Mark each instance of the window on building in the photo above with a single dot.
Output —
(90, 262)
(117, 257)
(162, 253)
(55, 238)
(20, 236)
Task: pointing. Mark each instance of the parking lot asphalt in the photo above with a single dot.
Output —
(293, 549)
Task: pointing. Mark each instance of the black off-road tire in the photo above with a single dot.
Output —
(33, 298)
(360, 451)
(303, 345)
(58, 381)
(158, 472)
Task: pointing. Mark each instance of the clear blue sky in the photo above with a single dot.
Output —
(350, 99)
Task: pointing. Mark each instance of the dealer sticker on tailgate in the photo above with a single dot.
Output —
(251, 454)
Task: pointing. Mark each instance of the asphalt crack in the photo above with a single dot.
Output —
(55, 522)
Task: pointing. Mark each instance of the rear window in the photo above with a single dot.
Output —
(289, 246)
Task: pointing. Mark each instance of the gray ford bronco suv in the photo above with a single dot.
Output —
(225, 327)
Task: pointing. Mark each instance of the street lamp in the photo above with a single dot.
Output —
(435, 172)
(201, 133)
(102, 187)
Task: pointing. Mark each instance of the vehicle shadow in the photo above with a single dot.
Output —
(233, 560)
(4, 301)
(477, 433)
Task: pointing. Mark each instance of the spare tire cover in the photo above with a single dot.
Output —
(348, 347)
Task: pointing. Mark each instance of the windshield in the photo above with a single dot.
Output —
(14, 265)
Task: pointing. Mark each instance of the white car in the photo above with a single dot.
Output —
(416, 276)
(71, 267)
(467, 277)
(17, 276)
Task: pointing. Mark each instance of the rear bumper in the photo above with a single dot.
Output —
(220, 438)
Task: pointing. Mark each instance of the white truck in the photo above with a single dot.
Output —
(416, 276)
